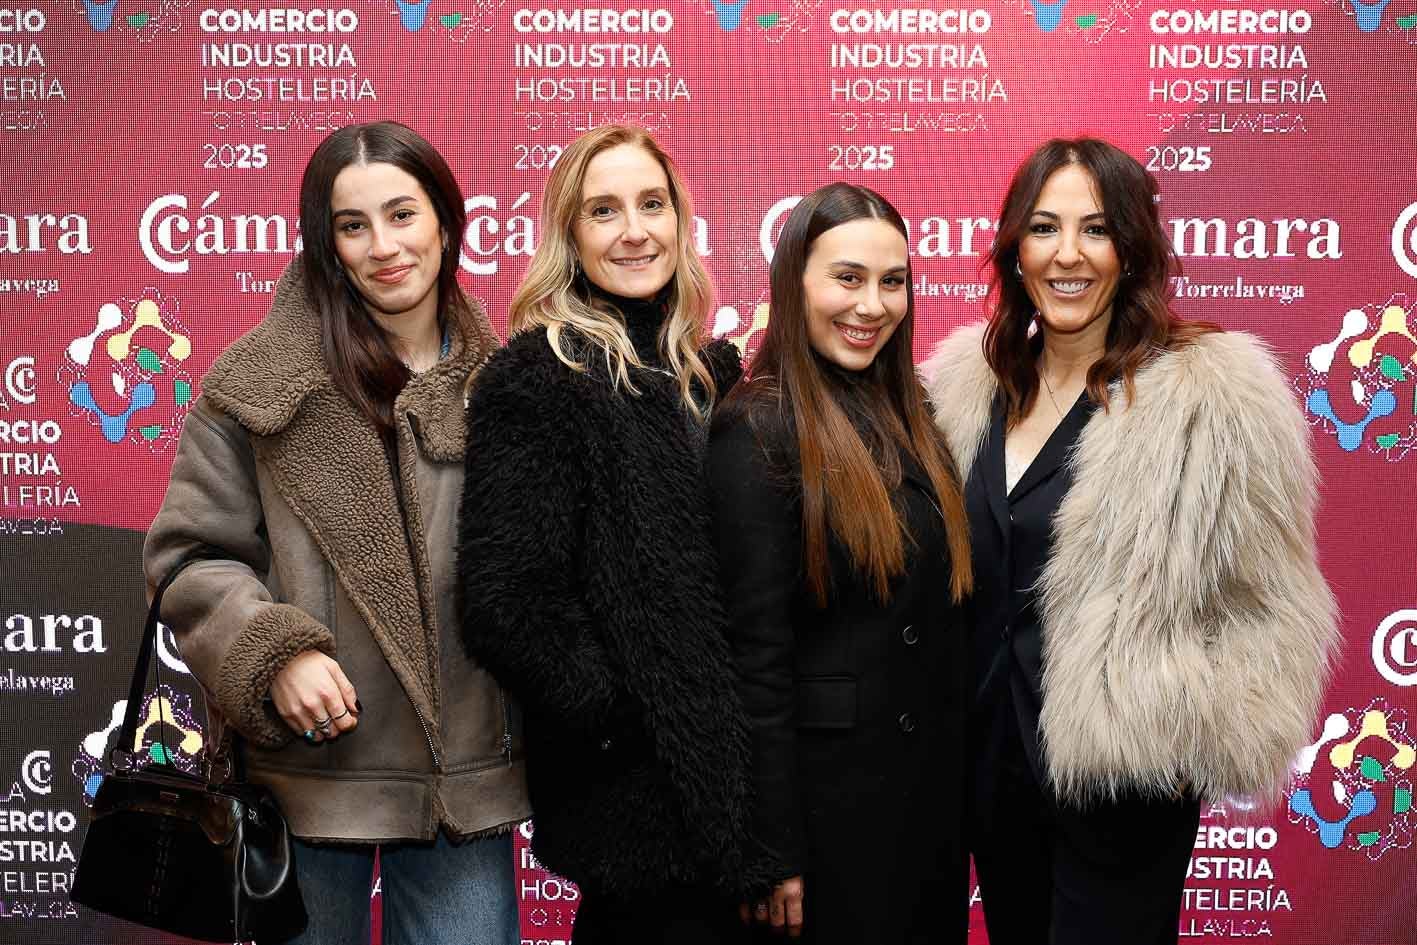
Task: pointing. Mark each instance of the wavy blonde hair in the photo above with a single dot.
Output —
(549, 293)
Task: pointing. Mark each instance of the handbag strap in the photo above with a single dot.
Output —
(128, 731)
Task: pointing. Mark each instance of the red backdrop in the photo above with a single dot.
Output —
(150, 152)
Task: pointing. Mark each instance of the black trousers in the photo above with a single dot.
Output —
(1052, 874)
(672, 917)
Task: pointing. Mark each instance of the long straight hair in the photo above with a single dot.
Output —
(847, 474)
(1143, 324)
(358, 354)
(550, 295)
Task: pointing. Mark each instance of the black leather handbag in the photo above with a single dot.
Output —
(198, 857)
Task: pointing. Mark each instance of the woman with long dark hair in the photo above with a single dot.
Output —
(1150, 627)
(321, 469)
(588, 580)
(844, 552)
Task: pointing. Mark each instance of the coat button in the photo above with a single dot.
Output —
(1004, 632)
(909, 635)
(907, 723)
(605, 745)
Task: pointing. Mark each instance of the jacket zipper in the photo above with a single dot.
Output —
(428, 735)
(506, 725)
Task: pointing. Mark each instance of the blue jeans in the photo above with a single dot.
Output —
(439, 893)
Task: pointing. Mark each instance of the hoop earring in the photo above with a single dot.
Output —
(1018, 269)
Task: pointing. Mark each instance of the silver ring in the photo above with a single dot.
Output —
(340, 716)
(323, 729)
(319, 723)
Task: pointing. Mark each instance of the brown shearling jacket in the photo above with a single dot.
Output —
(324, 548)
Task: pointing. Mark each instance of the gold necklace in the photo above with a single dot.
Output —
(1049, 387)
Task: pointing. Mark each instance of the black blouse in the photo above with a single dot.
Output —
(1012, 537)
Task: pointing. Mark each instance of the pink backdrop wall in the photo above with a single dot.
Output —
(150, 152)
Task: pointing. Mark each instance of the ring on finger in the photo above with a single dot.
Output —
(320, 723)
(323, 728)
(309, 735)
(340, 716)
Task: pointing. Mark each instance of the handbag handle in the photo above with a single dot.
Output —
(129, 729)
(283, 856)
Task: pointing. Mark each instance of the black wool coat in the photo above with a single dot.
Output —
(857, 709)
(588, 588)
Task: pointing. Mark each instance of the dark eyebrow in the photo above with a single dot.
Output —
(1099, 215)
(386, 205)
(849, 264)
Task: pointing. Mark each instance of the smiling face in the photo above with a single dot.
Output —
(855, 291)
(1069, 263)
(388, 238)
(626, 229)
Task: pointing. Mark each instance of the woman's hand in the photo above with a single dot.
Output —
(782, 910)
(315, 698)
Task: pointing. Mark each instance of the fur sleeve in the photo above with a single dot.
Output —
(1269, 618)
(520, 533)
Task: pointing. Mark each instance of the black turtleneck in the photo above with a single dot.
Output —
(643, 319)
(853, 390)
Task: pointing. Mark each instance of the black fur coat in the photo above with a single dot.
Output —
(588, 587)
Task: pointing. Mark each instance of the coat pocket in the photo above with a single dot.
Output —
(826, 702)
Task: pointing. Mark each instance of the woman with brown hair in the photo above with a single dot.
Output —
(844, 552)
(320, 469)
(587, 576)
(1150, 627)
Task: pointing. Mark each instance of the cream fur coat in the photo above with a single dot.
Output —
(1187, 628)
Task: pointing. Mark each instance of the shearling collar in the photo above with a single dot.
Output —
(265, 376)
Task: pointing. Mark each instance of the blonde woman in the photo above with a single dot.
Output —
(587, 575)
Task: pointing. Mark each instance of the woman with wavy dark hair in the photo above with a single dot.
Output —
(321, 468)
(844, 550)
(1150, 626)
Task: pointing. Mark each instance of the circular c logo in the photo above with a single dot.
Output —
(1395, 648)
(1404, 240)
(36, 772)
(20, 380)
